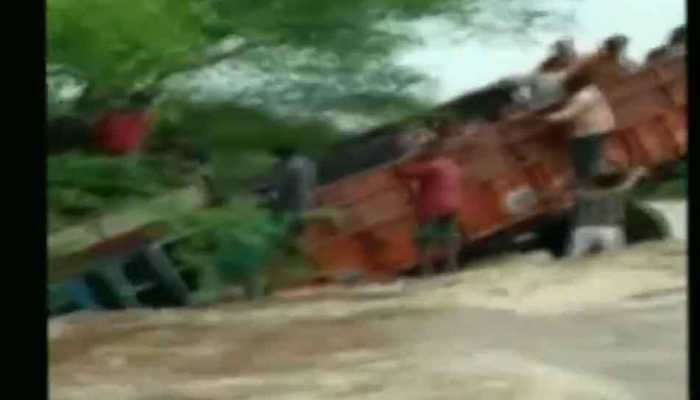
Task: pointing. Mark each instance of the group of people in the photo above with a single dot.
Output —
(564, 55)
(438, 178)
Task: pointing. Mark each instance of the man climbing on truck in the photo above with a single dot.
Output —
(438, 198)
(592, 120)
(599, 220)
(544, 86)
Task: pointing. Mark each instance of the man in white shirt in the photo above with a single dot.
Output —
(599, 221)
(592, 118)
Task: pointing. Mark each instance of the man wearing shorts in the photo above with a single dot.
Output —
(438, 198)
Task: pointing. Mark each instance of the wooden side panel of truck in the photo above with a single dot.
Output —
(515, 172)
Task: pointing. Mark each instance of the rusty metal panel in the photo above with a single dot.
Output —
(390, 246)
(637, 109)
(672, 69)
(339, 255)
(637, 84)
(480, 208)
(677, 123)
(509, 167)
(356, 187)
(655, 140)
(385, 206)
(679, 92)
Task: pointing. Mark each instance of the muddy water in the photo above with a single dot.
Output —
(525, 327)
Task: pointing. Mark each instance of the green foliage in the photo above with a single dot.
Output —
(304, 58)
(358, 30)
(82, 185)
(235, 244)
(115, 44)
(240, 140)
(112, 177)
(675, 187)
(225, 127)
(308, 52)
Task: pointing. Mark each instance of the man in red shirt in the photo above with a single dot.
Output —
(438, 199)
(122, 131)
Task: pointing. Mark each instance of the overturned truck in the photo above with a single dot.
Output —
(517, 178)
(517, 175)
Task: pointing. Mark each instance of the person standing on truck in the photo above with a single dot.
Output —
(544, 86)
(563, 56)
(592, 120)
(539, 91)
(615, 47)
(438, 199)
(608, 66)
(677, 42)
(675, 46)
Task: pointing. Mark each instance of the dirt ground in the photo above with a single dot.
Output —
(518, 327)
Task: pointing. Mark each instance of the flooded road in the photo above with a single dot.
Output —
(517, 327)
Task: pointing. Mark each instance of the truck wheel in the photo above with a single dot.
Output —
(643, 224)
(554, 236)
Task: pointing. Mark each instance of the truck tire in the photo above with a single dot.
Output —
(644, 224)
(554, 236)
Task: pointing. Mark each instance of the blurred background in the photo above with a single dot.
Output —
(152, 103)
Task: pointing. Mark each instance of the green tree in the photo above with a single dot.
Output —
(288, 55)
(218, 63)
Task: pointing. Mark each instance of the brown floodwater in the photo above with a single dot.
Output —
(515, 327)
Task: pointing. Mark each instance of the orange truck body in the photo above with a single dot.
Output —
(507, 167)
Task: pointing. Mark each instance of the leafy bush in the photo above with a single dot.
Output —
(81, 185)
(238, 244)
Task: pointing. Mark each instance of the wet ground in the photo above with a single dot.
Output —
(517, 327)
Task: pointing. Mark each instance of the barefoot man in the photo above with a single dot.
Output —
(439, 195)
